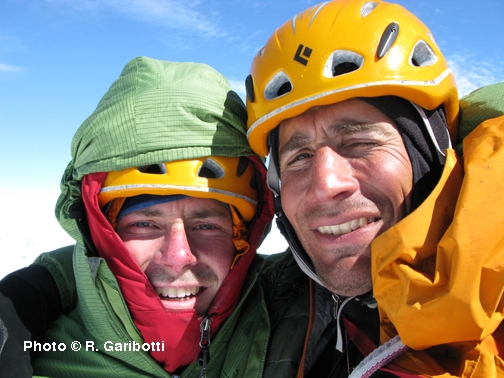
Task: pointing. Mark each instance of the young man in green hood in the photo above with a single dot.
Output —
(167, 204)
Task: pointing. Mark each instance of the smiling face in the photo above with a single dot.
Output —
(184, 247)
(346, 178)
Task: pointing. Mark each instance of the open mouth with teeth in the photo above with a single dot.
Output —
(177, 293)
(347, 227)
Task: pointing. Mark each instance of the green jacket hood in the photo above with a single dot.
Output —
(190, 105)
(476, 107)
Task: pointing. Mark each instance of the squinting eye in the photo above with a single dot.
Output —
(357, 144)
(362, 143)
(299, 158)
(205, 226)
(142, 224)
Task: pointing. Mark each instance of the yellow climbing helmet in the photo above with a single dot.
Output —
(342, 49)
(226, 179)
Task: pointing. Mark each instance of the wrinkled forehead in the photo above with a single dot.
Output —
(339, 119)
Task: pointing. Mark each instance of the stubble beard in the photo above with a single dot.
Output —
(348, 273)
(345, 271)
(206, 277)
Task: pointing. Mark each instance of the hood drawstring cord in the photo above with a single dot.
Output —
(338, 307)
(341, 345)
(204, 344)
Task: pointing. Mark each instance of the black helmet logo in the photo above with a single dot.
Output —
(302, 51)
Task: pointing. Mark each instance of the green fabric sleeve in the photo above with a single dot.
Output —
(60, 264)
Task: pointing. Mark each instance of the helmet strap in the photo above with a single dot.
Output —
(273, 176)
(283, 224)
(240, 236)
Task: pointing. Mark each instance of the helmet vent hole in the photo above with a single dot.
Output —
(367, 8)
(154, 169)
(344, 68)
(278, 86)
(210, 169)
(342, 62)
(242, 166)
(423, 55)
(249, 88)
(285, 88)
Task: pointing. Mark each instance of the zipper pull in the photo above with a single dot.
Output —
(204, 344)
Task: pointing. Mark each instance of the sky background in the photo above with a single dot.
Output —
(59, 57)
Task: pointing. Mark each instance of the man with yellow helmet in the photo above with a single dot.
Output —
(357, 109)
(165, 200)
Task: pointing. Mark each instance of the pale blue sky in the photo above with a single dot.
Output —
(58, 57)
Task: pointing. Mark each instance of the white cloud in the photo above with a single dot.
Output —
(28, 227)
(471, 74)
(173, 14)
(9, 68)
(239, 87)
(274, 242)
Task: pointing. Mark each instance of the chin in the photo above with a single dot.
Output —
(347, 289)
(355, 281)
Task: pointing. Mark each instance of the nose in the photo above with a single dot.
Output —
(176, 252)
(332, 176)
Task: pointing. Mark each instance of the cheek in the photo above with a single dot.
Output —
(142, 251)
(292, 195)
(404, 172)
(395, 179)
(218, 254)
(221, 269)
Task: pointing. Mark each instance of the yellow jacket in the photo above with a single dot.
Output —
(438, 275)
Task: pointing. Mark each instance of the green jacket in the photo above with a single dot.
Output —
(262, 338)
(100, 316)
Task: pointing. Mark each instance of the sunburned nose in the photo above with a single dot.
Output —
(176, 252)
(331, 176)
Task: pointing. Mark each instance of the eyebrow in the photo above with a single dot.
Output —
(196, 214)
(148, 212)
(295, 142)
(209, 213)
